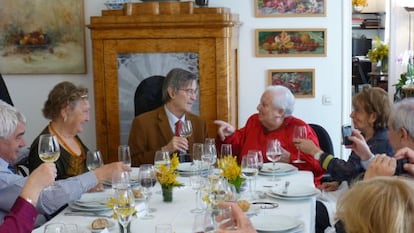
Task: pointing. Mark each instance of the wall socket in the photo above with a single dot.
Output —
(326, 100)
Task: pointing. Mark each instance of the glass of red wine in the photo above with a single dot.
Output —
(147, 179)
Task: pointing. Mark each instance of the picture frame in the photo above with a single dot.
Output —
(42, 37)
(300, 81)
(290, 8)
(292, 42)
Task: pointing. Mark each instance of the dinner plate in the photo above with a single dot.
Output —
(272, 195)
(295, 191)
(290, 172)
(99, 208)
(189, 167)
(274, 223)
(278, 168)
(110, 227)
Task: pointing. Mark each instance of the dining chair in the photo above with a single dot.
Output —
(325, 143)
(148, 95)
(4, 92)
(358, 75)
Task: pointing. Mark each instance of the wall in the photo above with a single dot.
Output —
(30, 91)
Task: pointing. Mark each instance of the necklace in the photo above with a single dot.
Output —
(66, 146)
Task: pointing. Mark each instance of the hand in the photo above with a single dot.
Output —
(409, 154)
(381, 165)
(224, 130)
(307, 146)
(40, 178)
(104, 173)
(359, 145)
(329, 186)
(177, 143)
(241, 221)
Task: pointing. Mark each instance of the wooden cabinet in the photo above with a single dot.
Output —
(164, 27)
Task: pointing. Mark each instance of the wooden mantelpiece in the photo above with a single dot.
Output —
(165, 27)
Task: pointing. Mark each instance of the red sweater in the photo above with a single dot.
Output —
(254, 136)
(21, 218)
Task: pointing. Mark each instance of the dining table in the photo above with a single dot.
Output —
(284, 210)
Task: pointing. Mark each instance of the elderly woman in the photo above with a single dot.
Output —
(274, 120)
(67, 107)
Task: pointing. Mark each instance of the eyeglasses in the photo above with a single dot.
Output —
(190, 91)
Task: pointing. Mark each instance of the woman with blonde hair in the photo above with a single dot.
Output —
(378, 205)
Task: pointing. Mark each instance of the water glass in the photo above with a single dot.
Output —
(120, 180)
(124, 155)
(226, 150)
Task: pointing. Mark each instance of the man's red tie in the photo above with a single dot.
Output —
(178, 127)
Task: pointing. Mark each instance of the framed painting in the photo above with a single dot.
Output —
(290, 42)
(290, 8)
(300, 81)
(42, 37)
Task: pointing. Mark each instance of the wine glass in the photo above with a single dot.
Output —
(147, 179)
(161, 158)
(197, 182)
(210, 152)
(299, 133)
(54, 228)
(124, 206)
(120, 180)
(273, 153)
(259, 157)
(198, 152)
(249, 168)
(226, 150)
(94, 160)
(49, 149)
(124, 155)
(186, 129)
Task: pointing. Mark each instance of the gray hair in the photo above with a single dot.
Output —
(176, 79)
(282, 98)
(402, 116)
(9, 118)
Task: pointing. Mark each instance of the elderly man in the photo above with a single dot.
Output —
(12, 129)
(156, 129)
(274, 120)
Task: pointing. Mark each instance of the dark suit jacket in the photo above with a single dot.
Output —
(151, 130)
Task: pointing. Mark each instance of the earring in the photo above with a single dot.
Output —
(65, 118)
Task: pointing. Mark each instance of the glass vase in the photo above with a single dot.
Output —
(167, 193)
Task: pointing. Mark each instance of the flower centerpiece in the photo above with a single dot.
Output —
(379, 54)
(167, 177)
(358, 5)
(231, 171)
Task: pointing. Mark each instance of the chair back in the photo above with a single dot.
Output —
(4, 92)
(358, 75)
(148, 95)
(325, 141)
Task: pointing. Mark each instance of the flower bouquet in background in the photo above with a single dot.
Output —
(231, 171)
(358, 5)
(167, 177)
(379, 54)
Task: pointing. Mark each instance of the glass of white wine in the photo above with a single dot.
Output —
(186, 129)
(94, 160)
(48, 149)
(124, 206)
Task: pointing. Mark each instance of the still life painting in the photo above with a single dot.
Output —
(300, 81)
(290, 42)
(42, 37)
(290, 8)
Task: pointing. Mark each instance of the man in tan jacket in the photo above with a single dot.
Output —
(156, 129)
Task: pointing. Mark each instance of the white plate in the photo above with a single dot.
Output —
(278, 168)
(274, 223)
(295, 191)
(74, 206)
(272, 195)
(189, 167)
(293, 171)
(111, 226)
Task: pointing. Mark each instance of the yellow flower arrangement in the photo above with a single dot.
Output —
(231, 171)
(359, 3)
(379, 52)
(166, 175)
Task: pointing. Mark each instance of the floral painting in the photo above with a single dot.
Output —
(42, 37)
(290, 42)
(300, 81)
(290, 8)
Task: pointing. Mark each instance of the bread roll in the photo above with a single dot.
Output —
(100, 223)
(244, 205)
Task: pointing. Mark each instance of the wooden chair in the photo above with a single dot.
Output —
(358, 75)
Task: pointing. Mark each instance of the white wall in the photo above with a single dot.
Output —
(30, 91)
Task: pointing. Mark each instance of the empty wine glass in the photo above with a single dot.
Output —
(147, 179)
(210, 152)
(120, 180)
(198, 152)
(124, 155)
(273, 153)
(226, 150)
(197, 182)
(259, 158)
(49, 149)
(124, 206)
(94, 160)
(249, 169)
(299, 132)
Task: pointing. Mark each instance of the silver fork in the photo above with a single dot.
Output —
(285, 191)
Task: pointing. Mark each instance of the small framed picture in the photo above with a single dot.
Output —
(290, 8)
(290, 42)
(300, 81)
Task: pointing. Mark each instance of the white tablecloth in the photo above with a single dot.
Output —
(178, 213)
